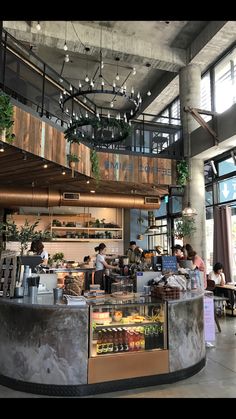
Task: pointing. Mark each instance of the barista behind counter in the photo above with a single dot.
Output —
(134, 253)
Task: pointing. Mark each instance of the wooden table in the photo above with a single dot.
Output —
(227, 291)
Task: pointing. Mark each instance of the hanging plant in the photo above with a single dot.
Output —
(72, 159)
(98, 124)
(95, 165)
(184, 227)
(6, 118)
(182, 169)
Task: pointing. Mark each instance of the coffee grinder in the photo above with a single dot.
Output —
(124, 265)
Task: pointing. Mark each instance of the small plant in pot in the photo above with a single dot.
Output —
(58, 258)
(72, 159)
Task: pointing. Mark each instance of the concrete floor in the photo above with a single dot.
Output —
(217, 379)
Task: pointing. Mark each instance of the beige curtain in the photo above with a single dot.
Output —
(222, 239)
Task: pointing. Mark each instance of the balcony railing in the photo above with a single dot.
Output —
(29, 80)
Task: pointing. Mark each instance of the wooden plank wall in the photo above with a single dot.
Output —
(138, 169)
(40, 138)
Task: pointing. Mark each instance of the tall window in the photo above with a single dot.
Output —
(225, 86)
(206, 95)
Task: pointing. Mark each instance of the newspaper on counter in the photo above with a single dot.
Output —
(74, 300)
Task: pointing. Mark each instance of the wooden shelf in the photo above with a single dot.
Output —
(61, 239)
(87, 228)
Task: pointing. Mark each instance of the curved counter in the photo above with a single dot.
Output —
(44, 346)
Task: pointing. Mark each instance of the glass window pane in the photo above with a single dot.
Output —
(226, 166)
(206, 96)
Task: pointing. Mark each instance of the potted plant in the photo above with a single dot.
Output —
(24, 234)
(58, 258)
(6, 118)
(184, 227)
(72, 159)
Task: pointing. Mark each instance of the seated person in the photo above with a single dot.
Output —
(134, 253)
(217, 274)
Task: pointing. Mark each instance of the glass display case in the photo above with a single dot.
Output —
(127, 326)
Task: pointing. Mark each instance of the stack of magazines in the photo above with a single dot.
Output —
(75, 300)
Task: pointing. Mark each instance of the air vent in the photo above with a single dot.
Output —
(152, 200)
(70, 196)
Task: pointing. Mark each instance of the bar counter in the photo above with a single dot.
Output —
(44, 347)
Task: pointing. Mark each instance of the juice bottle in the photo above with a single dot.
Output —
(104, 341)
(115, 340)
(109, 340)
(120, 340)
(99, 343)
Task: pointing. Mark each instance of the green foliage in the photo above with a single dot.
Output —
(58, 256)
(182, 172)
(72, 157)
(95, 164)
(6, 116)
(24, 234)
(185, 227)
(101, 124)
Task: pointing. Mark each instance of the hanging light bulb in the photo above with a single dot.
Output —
(134, 71)
(84, 100)
(86, 115)
(80, 85)
(67, 58)
(86, 78)
(108, 114)
(65, 46)
(148, 92)
(117, 75)
(111, 104)
(38, 26)
(132, 91)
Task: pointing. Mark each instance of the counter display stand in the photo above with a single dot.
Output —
(127, 339)
(51, 348)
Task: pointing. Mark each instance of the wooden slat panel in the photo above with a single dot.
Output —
(130, 365)
(138, 169)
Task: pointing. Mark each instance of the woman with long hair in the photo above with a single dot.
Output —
(197, 261)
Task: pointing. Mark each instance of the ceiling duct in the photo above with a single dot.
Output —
(37, 197)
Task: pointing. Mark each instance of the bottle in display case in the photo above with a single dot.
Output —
(139, 327)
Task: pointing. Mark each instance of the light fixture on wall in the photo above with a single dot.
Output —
(96, 123)
(213, 167)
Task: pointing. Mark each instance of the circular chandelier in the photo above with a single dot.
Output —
(89, 120)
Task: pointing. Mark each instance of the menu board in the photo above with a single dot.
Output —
(169, 263)
(209, 321)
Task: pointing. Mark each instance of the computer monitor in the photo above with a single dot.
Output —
(31, 261)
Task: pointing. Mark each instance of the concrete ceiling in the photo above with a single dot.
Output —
(166, 46)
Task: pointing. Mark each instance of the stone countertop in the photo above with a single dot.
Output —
(42, 301)
(58, 270)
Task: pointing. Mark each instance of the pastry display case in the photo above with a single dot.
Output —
(128, 338)
(127, 326)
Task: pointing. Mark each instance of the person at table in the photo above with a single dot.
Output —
(217, 275)
(197, 261)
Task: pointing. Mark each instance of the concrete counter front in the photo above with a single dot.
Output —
(44, 347)
(42, 344)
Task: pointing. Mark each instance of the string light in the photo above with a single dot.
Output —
(38, 26)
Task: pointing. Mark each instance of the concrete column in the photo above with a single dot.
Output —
(190, 95)
(197, 201)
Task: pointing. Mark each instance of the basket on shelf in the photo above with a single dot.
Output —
(165, 292)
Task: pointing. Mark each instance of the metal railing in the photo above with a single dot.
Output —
(26, 78)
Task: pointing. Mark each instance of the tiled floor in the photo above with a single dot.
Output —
(217, 379)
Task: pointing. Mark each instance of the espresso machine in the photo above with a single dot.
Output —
(124, 265)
